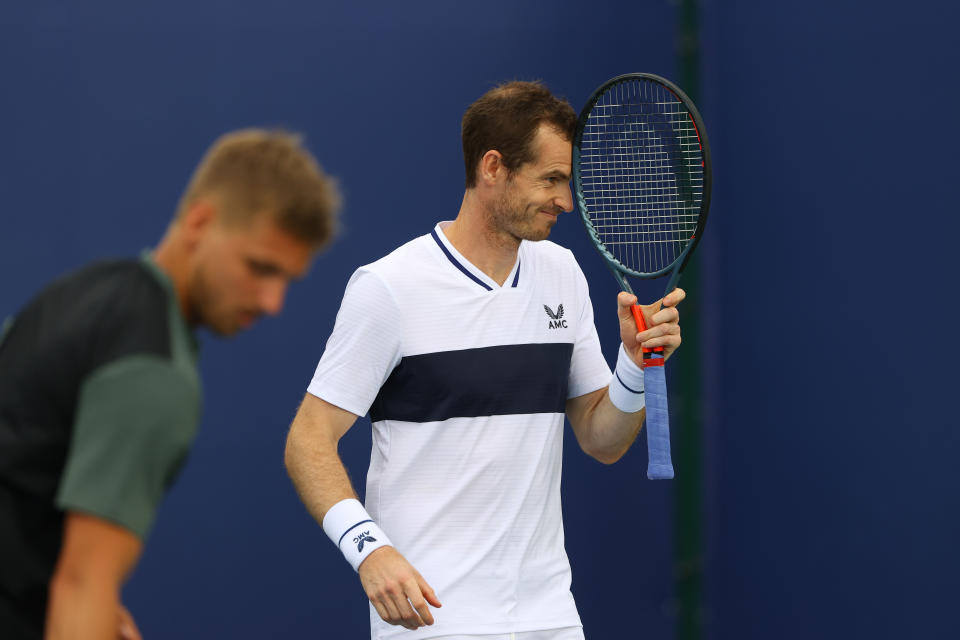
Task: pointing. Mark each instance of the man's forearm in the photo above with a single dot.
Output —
(603, 431)
(316, 471)
(95, 559)
(82, 607)
(609, 432)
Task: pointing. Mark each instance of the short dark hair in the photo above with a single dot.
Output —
(506, 118)
(261, 171)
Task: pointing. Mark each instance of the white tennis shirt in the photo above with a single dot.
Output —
(466, 383)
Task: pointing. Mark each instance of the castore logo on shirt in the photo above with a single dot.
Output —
(556, 319)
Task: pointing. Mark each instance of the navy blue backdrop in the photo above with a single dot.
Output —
(834, 498)
(831, 497)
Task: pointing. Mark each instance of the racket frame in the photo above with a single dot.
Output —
(617, 268)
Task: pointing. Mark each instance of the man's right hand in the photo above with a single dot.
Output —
(398, 592)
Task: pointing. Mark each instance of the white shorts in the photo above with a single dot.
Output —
(566, 633)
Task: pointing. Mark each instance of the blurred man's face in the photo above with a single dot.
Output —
(242, 272)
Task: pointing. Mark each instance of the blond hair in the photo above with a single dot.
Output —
(256, 172)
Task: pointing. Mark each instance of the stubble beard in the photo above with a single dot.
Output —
(511, 217)
(204, 301)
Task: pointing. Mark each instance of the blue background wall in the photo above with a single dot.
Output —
(833, 489)
(827, 353)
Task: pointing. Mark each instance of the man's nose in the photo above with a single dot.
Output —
(565, 199)
(271, 297)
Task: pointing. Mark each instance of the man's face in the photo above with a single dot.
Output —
(538, 191)
(242, 272)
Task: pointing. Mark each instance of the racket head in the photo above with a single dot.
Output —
(642, 175)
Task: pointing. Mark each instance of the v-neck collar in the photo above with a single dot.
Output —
(469, 269)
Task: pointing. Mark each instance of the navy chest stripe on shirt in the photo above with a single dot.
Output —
(489, 381)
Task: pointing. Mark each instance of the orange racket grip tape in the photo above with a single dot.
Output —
(642, 326)
(638, 316)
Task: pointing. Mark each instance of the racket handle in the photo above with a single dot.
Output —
(651, 357)
(659, 463)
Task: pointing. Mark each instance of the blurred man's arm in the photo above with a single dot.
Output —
(95, 559)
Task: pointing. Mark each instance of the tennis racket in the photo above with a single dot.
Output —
(641, 172)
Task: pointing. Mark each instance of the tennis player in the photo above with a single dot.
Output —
(99, 388)
(467, 346)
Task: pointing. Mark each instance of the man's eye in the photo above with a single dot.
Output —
(261, 268)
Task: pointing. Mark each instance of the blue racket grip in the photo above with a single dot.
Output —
(659, 465)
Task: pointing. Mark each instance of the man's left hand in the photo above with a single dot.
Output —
(663, 324)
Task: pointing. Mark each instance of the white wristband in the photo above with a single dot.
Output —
(352, 529)
(626, 385)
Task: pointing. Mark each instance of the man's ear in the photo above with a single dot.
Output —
(197, 219)
(492, 167)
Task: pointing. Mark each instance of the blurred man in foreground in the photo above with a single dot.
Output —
(99, 389)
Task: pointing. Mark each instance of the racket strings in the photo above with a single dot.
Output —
(641, 173)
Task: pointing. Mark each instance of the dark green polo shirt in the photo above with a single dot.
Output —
(99, 404)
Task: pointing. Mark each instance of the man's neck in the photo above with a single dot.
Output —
(170, 257)
(475, 236)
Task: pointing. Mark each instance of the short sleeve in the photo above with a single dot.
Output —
(588, 368)
(363, 348)
(136, 418)
(5, 328)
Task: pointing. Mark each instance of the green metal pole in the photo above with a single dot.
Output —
(688, 439)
